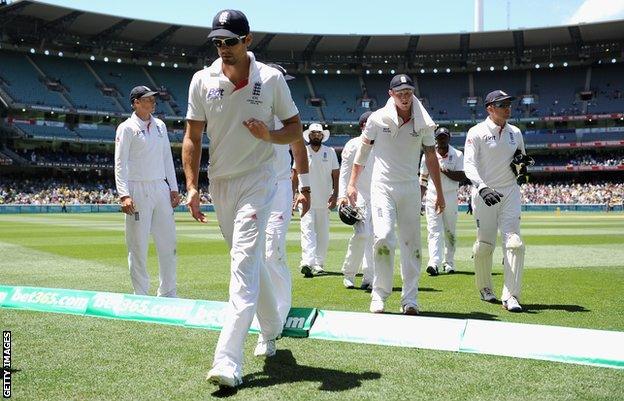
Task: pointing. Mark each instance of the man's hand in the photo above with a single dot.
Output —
(127, 205)
(175, 198)
(440, 204)
(342, 201)
(331, 202)
(258, 129)
(192, 201)
(303, 199)
(490, 196)
(352, 194)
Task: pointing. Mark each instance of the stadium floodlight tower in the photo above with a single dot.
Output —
(478, 15)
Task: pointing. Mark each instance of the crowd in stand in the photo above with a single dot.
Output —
(565, 193)
(51, 191)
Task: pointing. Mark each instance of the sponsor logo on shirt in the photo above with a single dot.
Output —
(512, 139)
(386, 130)
(490, 138)
(215, 93)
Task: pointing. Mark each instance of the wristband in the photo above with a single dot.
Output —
(304, 180)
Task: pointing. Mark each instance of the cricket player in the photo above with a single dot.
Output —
(398, 131)
(489, 151)
(281, 212)
(324, 171)
(148, 191)
(236, 100)
(441, 227)
(360, 246)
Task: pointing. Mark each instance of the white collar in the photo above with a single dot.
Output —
(493, 127)
(216, 68)
(140, 122)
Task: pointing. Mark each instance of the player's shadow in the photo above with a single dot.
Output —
(464, 273)
(458, 315)
(283, 368)
(424, 289)
(534, 308)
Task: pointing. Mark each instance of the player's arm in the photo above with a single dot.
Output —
(174, 194)
(455, 175)
(191, 159)
(367, 139)
(331, 203)
(431, 160)
(471, 153)
(345, 173)
(300, 173)
(423, 178)
(123, 136)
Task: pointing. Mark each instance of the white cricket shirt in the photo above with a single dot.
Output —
(321, 164)
(142, 153)
(398, 144)
(488, 153)
(214, 99)
(346, 166)
(453, 161)
(282, 161)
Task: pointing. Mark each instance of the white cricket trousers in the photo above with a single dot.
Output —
(153, 214)
(276, 259)
(441, 229)
(360, 246)
(314, 236)
(242, 206)
(504, 217)
(396, 203)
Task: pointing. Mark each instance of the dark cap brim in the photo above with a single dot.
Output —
(222, 33)
(500, 99)
(403, 86)
(148, 94)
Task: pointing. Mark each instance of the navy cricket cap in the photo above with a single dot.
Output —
(401, 81)
(442, 131)
(497, 96)
(141, 91)
(364, 118)
(281, 69)
(229, 24)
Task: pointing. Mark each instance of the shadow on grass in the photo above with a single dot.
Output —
(463, 273)
(532, 308)
(457, 315)
(424, 289)
(283, 368)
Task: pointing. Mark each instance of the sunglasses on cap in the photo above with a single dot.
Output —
(229, 42)
(502, 105)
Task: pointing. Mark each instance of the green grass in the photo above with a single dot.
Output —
(574, 277)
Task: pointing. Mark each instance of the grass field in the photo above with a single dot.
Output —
(574, 277)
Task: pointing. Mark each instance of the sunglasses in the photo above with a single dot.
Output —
(229, 42)
(502, 105)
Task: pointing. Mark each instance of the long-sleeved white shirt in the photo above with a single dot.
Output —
(488, 153)
(143, 153)
(348, 156)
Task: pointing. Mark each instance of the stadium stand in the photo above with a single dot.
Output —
(608, 87)
(21, 81)
(557, 90)
(341, 94)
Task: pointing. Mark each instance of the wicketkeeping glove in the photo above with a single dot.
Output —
(490, 196)
(519, 165)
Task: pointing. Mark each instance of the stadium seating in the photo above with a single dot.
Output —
(556, 90)
(301, 94)
(43, 131)
(177, 83)
(102, 133)
(21, 81)
(607, 84)
(79, 82)
(341, 94)
(444, 93)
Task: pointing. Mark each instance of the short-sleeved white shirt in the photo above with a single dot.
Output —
(214, 99)
(488, 153)
(282, 160)
(453, 161)
(397, 144)
(321, 164)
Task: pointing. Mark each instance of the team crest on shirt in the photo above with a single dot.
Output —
(160, 134)
(255, 93)
(325, 156)
(214, 93)
(415, 134)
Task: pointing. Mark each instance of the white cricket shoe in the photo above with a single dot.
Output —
(377, 306)
(265, 349)
(409, 309)
(512, 305)
(349, 282)
(487, 295)
(223, 379)
(449, 268)
(317, 269)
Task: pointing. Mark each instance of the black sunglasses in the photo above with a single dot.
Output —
(502, 105)
(229, 42)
